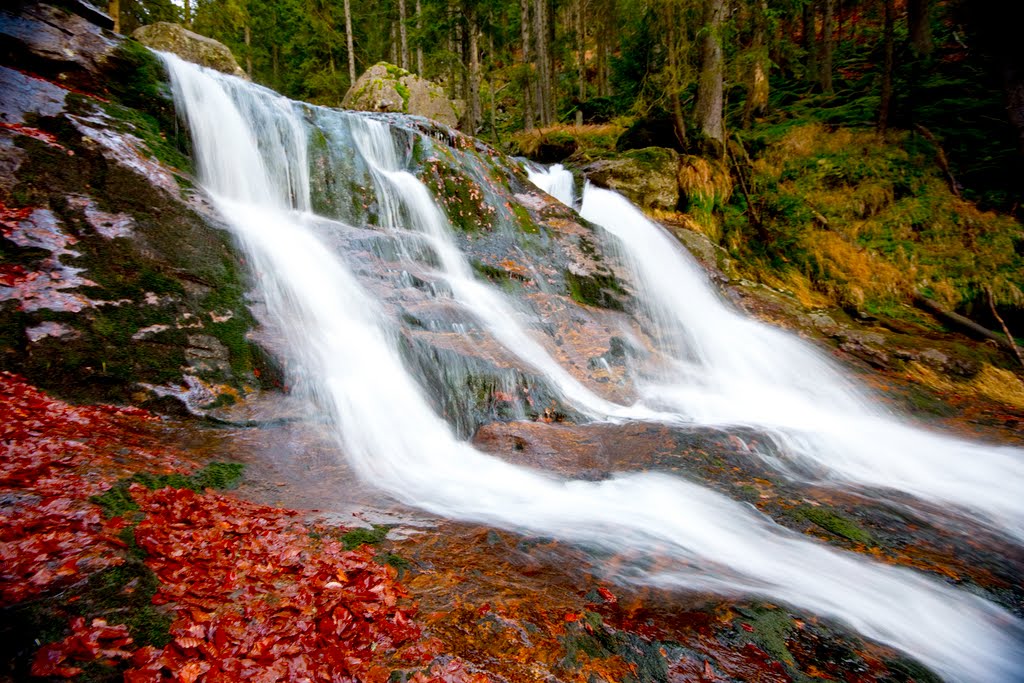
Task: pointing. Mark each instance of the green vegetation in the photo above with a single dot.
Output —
(851, 218)
(118, 502)
(361, 536)
(771, 628)
(600, 289)
(832, 521)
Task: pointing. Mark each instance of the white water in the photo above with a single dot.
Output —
(345, 352)
(730, 370)
(407, 203)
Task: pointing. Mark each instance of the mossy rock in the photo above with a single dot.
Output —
(192, 47)
(387, 88)
(150, 288)
(648, 176)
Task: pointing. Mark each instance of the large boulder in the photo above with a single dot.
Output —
(645, 176)
(386, 87)
(189, 46)
(117, 281)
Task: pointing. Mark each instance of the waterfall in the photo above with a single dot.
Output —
(730, 370)
(251, 149)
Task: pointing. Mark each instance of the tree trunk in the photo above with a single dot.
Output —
(672, 35)
(474, 115)
(403, 53)
(1013, 84)
(809, 42)
(393, 50)
(540, 33)
(581, 50)
(757, 79)
(248, 48)
(919, 27)
(528, 109)
(827, 46)
(348, 44)
(419, 36)
(114, 10)
(709, 88)
(188, 13)
(888, 41)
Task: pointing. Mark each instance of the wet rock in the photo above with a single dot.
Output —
(50, 41)
(206, 354)
(28, 94)
(387, 88)
(114, 272)
(646, 176)
(190, 46)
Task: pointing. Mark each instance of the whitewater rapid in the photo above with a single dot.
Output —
(250, 145)
(729, 370)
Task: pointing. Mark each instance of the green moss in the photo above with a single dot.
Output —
(461, 196)
(137, 84)
(360, 536)
(523, 218)
(147, 128)
(833, 522)
(599, 289)
(142, 76)
(233, 332)
(501, 277)
(592, 637)
(403, 91)
(905, 670)
(117, 500)
(771, 628)
(650, 157)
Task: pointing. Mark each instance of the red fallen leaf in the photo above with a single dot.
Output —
(607, 595)
(187, 642)
(192, 671)
(709, 673)
(747, 627)
(571, 617)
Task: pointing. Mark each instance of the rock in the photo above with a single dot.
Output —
(385, 87)
(645, 176)
(89, 11)
(653, 130)
(190, 46)
(48, 41)
(115, 276)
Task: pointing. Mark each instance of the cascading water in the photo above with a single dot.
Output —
(730, 370)
(405, 199)
(250, 147)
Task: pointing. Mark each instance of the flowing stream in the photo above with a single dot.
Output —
(252, 151)
(730, 370)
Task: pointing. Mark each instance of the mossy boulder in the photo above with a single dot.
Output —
(190, 46)
(117, 283)
(386, 87)
(647, 177)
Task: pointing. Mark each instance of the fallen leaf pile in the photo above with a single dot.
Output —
(256, 593)
(53, 457)
(86, 643)
(259, 597)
